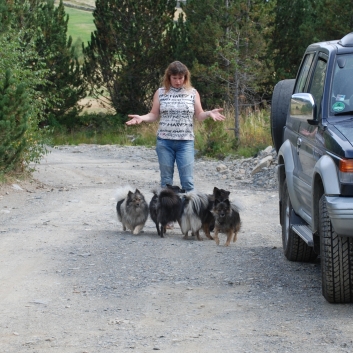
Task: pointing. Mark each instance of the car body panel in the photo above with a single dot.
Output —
(317, 136)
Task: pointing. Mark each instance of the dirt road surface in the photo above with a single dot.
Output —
(72, 281)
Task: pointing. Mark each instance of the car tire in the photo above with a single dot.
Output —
(282, 93)
(294, 247)
(336, 254)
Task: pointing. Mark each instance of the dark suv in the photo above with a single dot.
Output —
(312, 130)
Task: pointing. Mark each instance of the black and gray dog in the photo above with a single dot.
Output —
(165, 206)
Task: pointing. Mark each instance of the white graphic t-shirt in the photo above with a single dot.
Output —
(176, 114)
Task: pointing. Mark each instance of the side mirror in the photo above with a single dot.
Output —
(303, 107)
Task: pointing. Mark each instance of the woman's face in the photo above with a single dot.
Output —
(177, 81)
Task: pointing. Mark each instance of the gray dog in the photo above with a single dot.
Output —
(132, 209)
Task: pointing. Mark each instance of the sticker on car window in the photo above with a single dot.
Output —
(338, 106)
(340, 97)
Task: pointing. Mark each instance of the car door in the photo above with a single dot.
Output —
(292, 131)
(306, 150)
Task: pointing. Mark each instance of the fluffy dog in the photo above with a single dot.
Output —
(132, 209)
(165, 206)
(196, 214)
(227, 220)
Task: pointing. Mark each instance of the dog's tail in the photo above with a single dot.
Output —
(196, 202)
(121, 192)
(236, 206)
(156, 191)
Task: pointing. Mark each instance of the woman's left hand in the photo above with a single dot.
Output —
(216, 115)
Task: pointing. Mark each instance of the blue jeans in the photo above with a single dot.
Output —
(181, 152)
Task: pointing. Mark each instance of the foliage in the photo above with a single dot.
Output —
(226, 40)
(18, 76)
(45, 26)
(13, 122)
(302, 22)
(66, 86)
(205, 27)
(212, 139)
(288, 44)
(134, 42)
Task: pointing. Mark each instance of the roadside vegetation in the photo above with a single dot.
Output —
(70, 76)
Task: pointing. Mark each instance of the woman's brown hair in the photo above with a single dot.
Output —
(176, 68)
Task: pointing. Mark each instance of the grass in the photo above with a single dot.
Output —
(213, 139)
(80, 25)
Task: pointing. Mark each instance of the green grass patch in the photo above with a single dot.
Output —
(212, 139)
(80, 25)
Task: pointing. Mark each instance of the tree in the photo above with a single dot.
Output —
(65, 77)
(205, 25)
(333, 20)
(229, 65)
(299, 23)
(134, 42)
(14, 113)
(22, 108)
(45, 25)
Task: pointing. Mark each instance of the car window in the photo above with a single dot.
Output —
(342, 84)
(317, 84)
(302, 80)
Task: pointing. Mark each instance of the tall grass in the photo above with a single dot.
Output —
(213, 139)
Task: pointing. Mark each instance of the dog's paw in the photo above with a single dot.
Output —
(136, 232)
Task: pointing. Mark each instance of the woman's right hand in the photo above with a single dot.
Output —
(135, 119)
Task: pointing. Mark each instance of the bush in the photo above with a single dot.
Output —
(13, 123)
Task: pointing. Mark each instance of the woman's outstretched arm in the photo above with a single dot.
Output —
(149, 117)
(201, 115)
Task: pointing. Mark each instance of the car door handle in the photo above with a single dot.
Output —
(299, 143)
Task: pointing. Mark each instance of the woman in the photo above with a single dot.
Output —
(176, 104)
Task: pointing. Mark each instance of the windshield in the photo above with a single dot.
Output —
(342, 85)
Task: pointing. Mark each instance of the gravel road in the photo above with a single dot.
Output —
(73, 282)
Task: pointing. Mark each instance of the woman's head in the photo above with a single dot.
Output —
(176, 75)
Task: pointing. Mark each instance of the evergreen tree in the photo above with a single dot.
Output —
(205, 24)
(14, 112)
(44, 26)
(332, 19)
(134, 42)
(65, 77)
(226, 39)
(292, 33)
(16, 73)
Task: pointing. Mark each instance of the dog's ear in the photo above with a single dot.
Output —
(137, 191)
(217, 193)
(129, 193)
(225, 194)
(216, 202)
(215, 190)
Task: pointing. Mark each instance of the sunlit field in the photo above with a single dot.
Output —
(80, 24)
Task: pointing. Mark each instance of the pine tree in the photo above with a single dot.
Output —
(45, 26)
(205, 24)
(66, 85)
(14, 112)
(134, 42)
